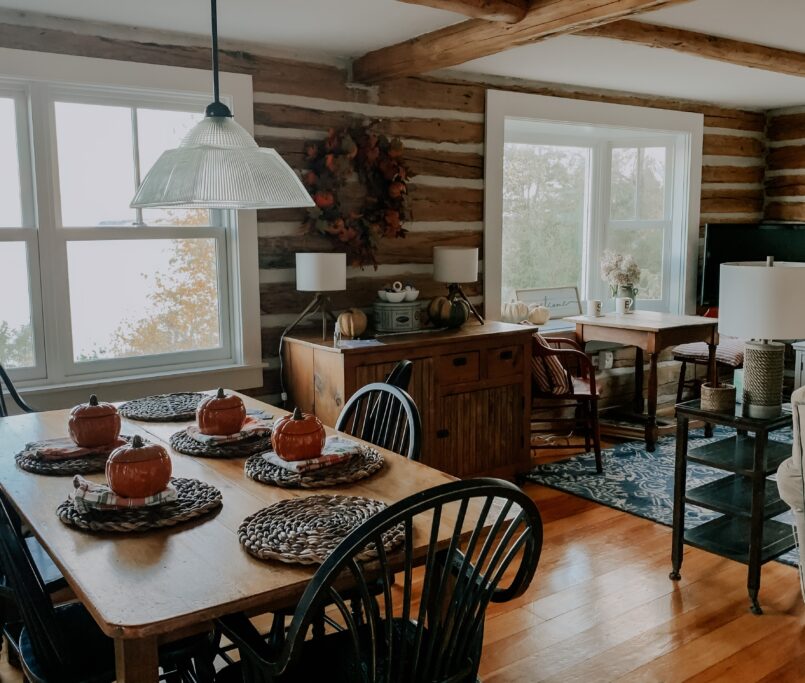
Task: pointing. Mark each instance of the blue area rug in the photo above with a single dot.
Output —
(642, 483)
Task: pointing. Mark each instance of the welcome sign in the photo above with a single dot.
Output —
(560, 301)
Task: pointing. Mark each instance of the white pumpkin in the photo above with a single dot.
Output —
(515, 312)
(538, 315)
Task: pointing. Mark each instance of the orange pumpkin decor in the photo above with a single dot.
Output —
(94, 424)
(221, 414)
(299, 436)
(138, 469)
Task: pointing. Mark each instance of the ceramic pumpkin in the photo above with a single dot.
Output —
(515, 312)
(299, 436)
(94, 424)
(222, 414)
(539, 315)
(138, 469)
(352, 322)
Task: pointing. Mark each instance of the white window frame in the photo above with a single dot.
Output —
(39, 80)
(685, 132)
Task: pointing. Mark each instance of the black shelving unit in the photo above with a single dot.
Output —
(745, 531)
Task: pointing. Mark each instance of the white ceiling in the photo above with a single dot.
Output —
(348, 28)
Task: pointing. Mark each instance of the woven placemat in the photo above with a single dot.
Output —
(88, 464)
(180, 441)
(363, 464)
(306, 530)
(163, 407)
(195, 500)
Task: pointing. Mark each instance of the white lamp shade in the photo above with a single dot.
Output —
(761, 302)
(321, 272)
(455, 264)
(218, 165)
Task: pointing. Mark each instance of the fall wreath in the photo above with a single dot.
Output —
(357, 215)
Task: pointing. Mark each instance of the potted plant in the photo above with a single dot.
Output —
(621, 273)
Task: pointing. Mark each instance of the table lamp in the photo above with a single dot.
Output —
(455, 266)
(760, 302)
(316, 272)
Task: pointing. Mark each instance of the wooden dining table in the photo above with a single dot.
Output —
(146, 588)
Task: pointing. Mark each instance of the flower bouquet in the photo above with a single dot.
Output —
(621, 273)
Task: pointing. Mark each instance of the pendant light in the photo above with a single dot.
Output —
(218, 165)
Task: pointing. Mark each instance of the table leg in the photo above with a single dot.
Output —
(136, 660)
(756, 529)
(712, 377)
(638, 381)
(651, 417)
(680, 474)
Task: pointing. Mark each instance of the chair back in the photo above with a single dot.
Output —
(484, 542)
(5, 381)
(400, 375)
(384, 415)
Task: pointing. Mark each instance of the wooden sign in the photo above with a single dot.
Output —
(561, 301)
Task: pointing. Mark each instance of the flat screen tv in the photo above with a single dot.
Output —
(724, 242)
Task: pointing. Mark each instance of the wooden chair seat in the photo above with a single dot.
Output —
(729, 354)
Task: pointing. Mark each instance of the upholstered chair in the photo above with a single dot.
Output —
(789, 475)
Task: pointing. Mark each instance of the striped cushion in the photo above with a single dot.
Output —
(549, 375)
(730, 351)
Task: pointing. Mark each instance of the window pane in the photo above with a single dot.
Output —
(652, 183)
(10, 197)
(96, 164)
(624, 183)
(646, 246)
(158, 130)
(143, 297)
(16, 334)
(544, 213)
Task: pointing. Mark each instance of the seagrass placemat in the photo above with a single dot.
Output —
(162, 407)
(306, 530)
(86, 464)
(195, 499)
(361, 465)
(184, 443)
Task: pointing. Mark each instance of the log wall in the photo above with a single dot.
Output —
(785, 162)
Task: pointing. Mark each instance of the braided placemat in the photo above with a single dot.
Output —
(87, 464)
(195, 500)
(364, 464)
(163, 407)
(306, 530)
(180, 441)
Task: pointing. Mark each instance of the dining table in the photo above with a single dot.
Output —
(150, 587)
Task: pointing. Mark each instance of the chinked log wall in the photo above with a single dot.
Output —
(785, 162)
(441, 122)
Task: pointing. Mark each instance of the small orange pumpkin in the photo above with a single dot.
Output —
(221, 414)
(94, 424)
(300, 436)
(138, 469)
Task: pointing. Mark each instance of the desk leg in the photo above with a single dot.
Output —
(712, 377)
(651, 417)
(756, 529)
(136, 660)
(638, 381)
(680, 474)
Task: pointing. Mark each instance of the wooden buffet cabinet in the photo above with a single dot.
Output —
(472, 387)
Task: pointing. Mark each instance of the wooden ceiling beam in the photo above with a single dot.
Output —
(509, 11)
(476, 38)
(703, 45)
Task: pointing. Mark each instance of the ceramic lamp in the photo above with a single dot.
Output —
(457, 266)
(319, 272)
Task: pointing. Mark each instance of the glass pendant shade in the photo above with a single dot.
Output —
(218, 165)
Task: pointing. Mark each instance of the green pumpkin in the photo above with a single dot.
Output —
(458, 315)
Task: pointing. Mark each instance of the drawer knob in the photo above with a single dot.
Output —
(506, 355)
(458, 362)
(442, 433)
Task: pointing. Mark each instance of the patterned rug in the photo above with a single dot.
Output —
(642, 483)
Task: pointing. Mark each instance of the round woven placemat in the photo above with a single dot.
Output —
(364, 464)
(162, 408)
(195, 500)
(183, 443)
(88, 464)
(306, 530)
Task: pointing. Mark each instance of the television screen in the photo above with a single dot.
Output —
(725, 242)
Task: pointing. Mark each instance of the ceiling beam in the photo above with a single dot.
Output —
(509, 11)
(476, 38)
(703, 45)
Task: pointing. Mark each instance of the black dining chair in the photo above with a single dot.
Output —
(400, 375)
(385, 416)
(63, 644)
(484, 543)
(6, 385)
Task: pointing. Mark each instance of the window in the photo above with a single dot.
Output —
(94, 288)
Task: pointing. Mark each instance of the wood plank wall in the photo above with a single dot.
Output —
(441, 121)
(785, 165)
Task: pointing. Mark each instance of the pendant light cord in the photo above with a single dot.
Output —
(217, 108)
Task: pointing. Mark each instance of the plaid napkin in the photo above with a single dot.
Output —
(336, 450)
(65, 448)
(252, 426)
(91, 496)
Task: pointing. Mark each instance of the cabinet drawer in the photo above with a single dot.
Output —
(459, 367)
(505, 360)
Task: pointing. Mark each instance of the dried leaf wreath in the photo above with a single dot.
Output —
(355, 216)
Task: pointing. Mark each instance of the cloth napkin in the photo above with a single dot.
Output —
(336, 450)
(65, 448)
(87, 495)
(252, 427)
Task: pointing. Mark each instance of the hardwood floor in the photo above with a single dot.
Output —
(602, 608)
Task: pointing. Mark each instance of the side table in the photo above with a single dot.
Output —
(747, 500)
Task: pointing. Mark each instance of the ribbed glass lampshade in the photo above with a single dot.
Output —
(218, 165)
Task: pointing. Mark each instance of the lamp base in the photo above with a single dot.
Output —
(320, 304)
(763, 379)
(454, 292)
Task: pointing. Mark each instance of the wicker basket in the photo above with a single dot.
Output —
(720, 399)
